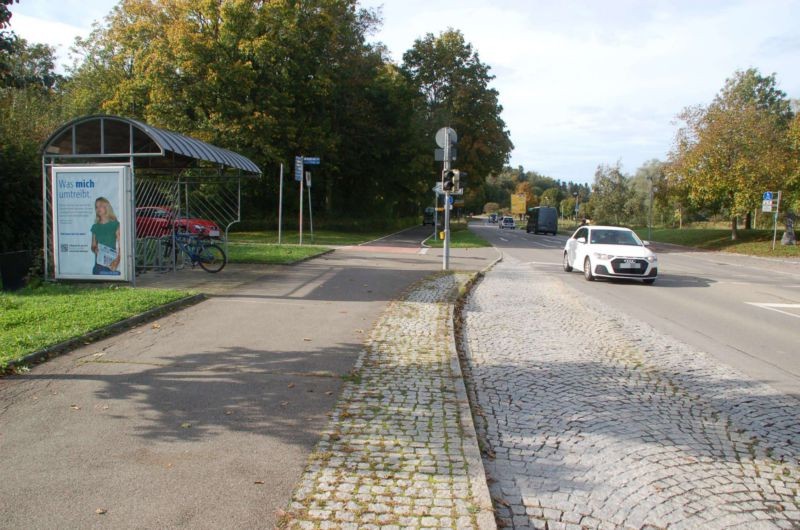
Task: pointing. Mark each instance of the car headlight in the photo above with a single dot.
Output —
(652, 259)
(602, 256)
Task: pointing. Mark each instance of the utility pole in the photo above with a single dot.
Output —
(446, 164)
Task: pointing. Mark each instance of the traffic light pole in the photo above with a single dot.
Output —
(446, 254)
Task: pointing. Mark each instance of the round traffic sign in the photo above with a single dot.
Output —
(767, 195)
(442, 135)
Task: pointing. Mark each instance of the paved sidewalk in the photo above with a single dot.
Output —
(594, 420)
(401, 448)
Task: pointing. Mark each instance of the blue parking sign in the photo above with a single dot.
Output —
(767, 196)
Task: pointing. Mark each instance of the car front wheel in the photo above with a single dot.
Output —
(587, 270)
(567, 266)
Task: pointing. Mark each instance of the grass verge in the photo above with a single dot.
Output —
(32, 319)
(750, 242)
(460, 237)
(292, 237)
(269, 253)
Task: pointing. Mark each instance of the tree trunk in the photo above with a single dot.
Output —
(734, 228)
(748, 221)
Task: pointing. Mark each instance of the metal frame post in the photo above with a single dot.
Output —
(280, 208)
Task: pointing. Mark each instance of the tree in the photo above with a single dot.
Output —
(270, 80)
(610, 195)
(455, 85)
(735, 148)
(7, 38)
(550, 197)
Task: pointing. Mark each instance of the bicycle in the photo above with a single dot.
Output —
(200, 251)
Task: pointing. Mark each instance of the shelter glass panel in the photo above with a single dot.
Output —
(87, 138)
(117, 137)
(142, 143)
(61, 145)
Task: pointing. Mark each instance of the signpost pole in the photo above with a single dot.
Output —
(446, 254)
(435, 215)
(280, 208)
(301, 207)
(310, 214)
(775, 221)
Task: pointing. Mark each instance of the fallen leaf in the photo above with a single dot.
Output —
(290, 385)
(284, 403)
(156, 326)
(228, 412)
(74, 407)
(306, 339)
(258, 482)
(329, 393)
(186, 425)
(101, 511)
(169, 465)
(359, 331)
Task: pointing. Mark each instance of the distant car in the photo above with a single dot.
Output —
(429, 216)
(157, 221)
(492, 218)
(542, 219)
(507, 222)
(610, 252)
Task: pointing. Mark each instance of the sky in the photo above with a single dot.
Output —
(582, 83)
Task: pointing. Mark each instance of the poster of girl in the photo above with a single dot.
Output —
(105, 239)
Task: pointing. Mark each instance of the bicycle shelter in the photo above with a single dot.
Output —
(102, 173)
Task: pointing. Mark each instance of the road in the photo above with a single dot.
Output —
(744, 311)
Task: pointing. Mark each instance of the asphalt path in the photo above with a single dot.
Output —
(744, 311)
(206, 417)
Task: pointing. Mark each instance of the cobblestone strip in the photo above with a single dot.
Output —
(596, 420)
(400, 451)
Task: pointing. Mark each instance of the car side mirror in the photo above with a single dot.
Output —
(581, 240)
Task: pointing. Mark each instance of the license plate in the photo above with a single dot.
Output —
(213, 233)
(628, 265)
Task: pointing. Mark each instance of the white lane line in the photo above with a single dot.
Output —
(778, 307)
(504, 239)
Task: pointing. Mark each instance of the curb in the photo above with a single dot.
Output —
(479, 483)
(472, 454)
(111, 329)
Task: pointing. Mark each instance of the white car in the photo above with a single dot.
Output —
(610, 252)
(507, 222)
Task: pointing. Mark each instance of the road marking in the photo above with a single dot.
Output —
(504, 239)
(778, 308)
(424, 250)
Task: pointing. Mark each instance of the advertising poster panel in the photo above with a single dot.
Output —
(91, 214)
(518, 203)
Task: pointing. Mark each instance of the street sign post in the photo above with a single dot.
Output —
(299, 173)
(298, 168)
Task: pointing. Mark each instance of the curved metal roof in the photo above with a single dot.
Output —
(167, 142)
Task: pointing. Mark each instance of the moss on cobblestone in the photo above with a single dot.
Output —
(394, 452)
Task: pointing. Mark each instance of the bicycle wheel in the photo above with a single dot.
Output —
(211, 258)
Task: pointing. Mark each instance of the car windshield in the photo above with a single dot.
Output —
(614, 237)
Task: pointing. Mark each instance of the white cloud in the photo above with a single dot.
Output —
(582, 82)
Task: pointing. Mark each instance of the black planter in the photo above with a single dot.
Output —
(14, 267)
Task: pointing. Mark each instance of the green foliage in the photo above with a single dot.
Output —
(731, 151)
(270, 80)
(455, 86)
(271, 254)
(611, 196)
(32, 319)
